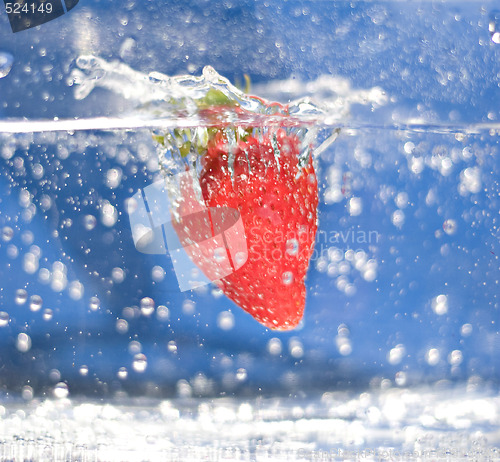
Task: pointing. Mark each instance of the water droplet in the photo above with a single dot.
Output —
(398, 218)
(292, 247)
(240, 258)
(140, 363)
(220, 254)
(23, 342)
(440, 305)
(355, 206)
(84, 370)
(61, 390)
(274, 346)
(134, 347)
(21, 297)
(27, 393)
(113, 178)
(470, 181)
(48, 314)
(6, 61)
(296, 348)
(172, 346)
(121, 326)
(4, 318)
(466, 330)
(158, 273)
(287, 278)
(188, 307)
(432, 356)
(109, 214)
(225, 320)
(455, 358)
(147, 306)
(36, 302)
(494, 26)
(162, 313)
(118, 275)
(76, 290)
(450, 227)
(7, 233)
(122, 373)
(241, 374)
(396, 354)
(89, 222)
(94, 303)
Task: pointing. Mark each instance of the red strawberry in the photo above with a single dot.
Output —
(277, 200)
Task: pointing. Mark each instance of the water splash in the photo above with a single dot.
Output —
(161, 96)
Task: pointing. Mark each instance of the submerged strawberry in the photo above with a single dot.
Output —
(277, 199)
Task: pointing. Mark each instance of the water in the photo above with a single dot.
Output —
(103, 358)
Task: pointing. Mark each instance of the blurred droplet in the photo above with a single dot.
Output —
(23, 342)
(494, 26)
(94, 303)
(21, 297)
(6, 61)
(147, 306)
(292, 247)
(89, 222)
(225, 320)
(162, 313)
(84, 370)
(450, 227)
(122, 373)
(432, 356)
(7, 233)
(27, 393)
(4, 318)
(36, 303)
(61, 390)
(140, 363)
(287, 278)
(440, 305)
(157, 273)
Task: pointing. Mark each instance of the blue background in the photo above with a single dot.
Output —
(436, 62)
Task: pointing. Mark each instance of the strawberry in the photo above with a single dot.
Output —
(277, 199)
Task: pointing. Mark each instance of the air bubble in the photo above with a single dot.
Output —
(188, 307)
(84, 370)
(225, 320)
(292, 247)
(140, 363)
(147, 306)
(61, 390)
(6, 61)
(274, 346)
(21, 297)
(432, 356)
(7, 233)
(450, 227)
(122, 373)
(48, 314)
(494, 26)
(157, 273)
(89, 222)
(118, 275)
(23, 342)
(36, 303)
(287, 278)
(121, 326)
(440, 305)
(94, 303)
(4, 318)
(162, 313)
